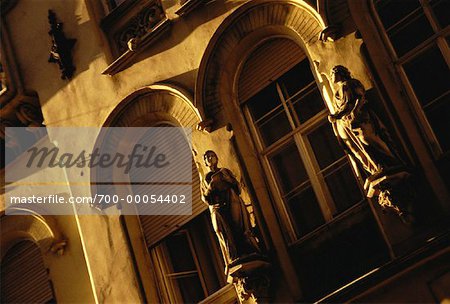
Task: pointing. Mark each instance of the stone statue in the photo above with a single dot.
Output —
(365, 137)
(229, 215)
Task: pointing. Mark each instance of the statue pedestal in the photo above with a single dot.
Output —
(251, 280)
(394, 192)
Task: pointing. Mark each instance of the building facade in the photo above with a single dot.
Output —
(252, 79)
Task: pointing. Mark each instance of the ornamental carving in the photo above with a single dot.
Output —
(144, 22)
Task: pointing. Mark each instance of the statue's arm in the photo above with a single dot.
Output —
(358, 93)
(206, 189)
(231, 179)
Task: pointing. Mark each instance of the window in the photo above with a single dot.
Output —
(417, 33)
(309, 169)
(186, 263)
(24, 277)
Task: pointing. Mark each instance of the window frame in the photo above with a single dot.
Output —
(159, 258)
(437, 39)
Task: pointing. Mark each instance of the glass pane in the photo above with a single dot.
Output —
(274, 127)
(407, 36)
(441, 9)
(296, 78)
(288, 168)
(180, 253)
(391, 11)
(429, 75)
(309, 105)
(305, 211)
(263, 102)
(343, 188)
(325, 145)
(189, 288)
(438, 116)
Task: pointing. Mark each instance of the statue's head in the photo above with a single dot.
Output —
(339, 73)
(210, 158)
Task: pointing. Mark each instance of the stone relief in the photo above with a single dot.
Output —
(366, 139)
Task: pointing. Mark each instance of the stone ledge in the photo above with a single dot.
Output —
(138, 45)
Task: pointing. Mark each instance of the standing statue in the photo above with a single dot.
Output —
(365, 137)
(229, 215)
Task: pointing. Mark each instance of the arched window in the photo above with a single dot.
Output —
(417, 35)
(24, 278)
(177, 257)
(303, 160)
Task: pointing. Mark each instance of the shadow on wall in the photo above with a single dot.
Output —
(28, 26)
(187, 24)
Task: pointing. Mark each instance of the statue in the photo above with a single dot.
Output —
(365, 138)
(245, 265)
(229, 215)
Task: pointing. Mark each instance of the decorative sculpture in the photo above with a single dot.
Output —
(229, 215)
(245, 265)
(61, 47)
(364, 136)
(130, 35)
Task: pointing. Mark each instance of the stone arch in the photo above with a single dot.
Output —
(237, 35)
(144, 107)
(158, 98)
(37, 228)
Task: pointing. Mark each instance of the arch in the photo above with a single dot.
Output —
(143, 108)
(249, 25)
(162, 98)
(39, 229)
(147, 107)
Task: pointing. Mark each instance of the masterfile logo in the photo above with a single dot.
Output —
(148, 168)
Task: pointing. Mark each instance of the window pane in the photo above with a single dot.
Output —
(180, 253)
(325, 145)
(441, 9)
(407, 36)
(344, 188)
(429, 75)
(305, 211)
(391, 11)
(288, 168)
(438, 116)
(309, 105)
(274, 127)
(264, 102)
(189, 288)
(296, 78)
